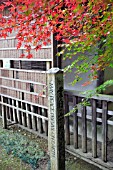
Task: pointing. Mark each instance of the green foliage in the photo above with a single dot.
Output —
(10, 162)
(100, 89)
(21, 147)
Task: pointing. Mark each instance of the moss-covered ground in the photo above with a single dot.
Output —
(21, 150)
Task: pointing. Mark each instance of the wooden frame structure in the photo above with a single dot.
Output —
(23, 86)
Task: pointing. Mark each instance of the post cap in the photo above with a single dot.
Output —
(54, 70)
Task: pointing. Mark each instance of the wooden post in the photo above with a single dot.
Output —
(4, 117)
(11, 111)
(104, 130)
(29, 119)
(94, 129)
(46, 122)
(67, 128)
(48, 65)
(56, 140)
(14, 113)
(34, 118)
(40, 123)
(18, 105)
(75, 122)
(24, 117)
(84, 130)
(57, 60)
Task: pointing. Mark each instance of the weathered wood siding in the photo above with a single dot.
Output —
(23, 85)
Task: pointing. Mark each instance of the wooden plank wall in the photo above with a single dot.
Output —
(23, 86)
(8, 50)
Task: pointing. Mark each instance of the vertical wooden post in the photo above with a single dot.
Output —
(34, 118)
(8, 116)
(40, 123)
(46, 122)
(75, 123)
(94, 129)
(11, 111)
(84, 130)
(48, 65)
(57, 60)
(18, 105)
(67, 128)
(14, 113)
(56, 140)
(29, 117)
(104, 130)
(24, 117)
(4, 117)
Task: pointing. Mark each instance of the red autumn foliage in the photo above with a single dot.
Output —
(81, 21)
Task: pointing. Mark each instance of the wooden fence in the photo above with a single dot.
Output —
(95, 147)
(88, 131)
(23, 86)
(24, 99)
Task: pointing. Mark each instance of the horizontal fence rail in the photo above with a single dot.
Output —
(43, 53)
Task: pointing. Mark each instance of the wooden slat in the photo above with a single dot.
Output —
(11, 111)
(14, 113)
(34, 118)
(94, 129)
(24, 116)
(18, 105)
(4, 118)
(75, 123)
(23, 48)
(104, 130)
(84, 130)
(40, 121)
(67, 129)
(29, 121)
(22, 70)
(46, 122)
(8, 115)
(24, 59)
(29, 117)
(7, 38)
